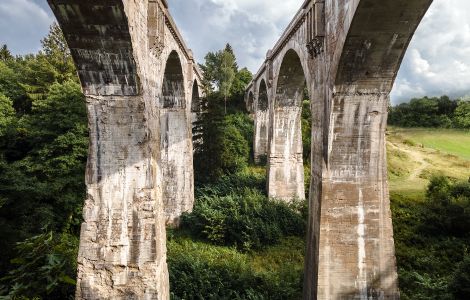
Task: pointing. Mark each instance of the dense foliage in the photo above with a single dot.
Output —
(432, 241)
(432, 112)
(237, 243)
(246, 220)
(43, 150)
(223, 132)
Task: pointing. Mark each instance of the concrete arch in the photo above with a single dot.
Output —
(293, 50)
(175, 142)
(354, 245)
(290, 81)
(250, 102)
(173, 91)
(285, 160)
(263, 100)
(196, 104)
(262, 114)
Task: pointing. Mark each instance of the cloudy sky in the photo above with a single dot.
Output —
(437, 62)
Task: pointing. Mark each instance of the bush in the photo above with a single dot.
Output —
(432, 238)
(247, 221)
(45, 267)
(460, 284)
(202, 271)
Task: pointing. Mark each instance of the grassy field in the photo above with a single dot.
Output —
(414, 155)
(447, 141)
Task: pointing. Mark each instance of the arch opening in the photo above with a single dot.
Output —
(261, 137)
(291, 82)
(285, 161)
(263, 102)
(196, 105)
(175, 139)
(173, 83)
(250, 102)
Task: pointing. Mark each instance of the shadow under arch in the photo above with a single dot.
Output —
(250, 102)
(261, 135)
(285, 161)
(175, 143)
(196, 104)
(173, 95)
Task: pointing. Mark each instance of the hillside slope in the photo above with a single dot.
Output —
(414, 155)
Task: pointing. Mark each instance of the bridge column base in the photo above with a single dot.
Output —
(122, 251)
(350, 243)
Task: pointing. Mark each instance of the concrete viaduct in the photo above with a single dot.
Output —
(142, 87)
(141, 83)
(347, 53)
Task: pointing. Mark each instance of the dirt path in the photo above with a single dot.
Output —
(415, 155)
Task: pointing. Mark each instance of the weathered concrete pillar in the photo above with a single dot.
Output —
(356, 247)
(285, 161)
(261, 124)
(122, 242)
(350, 248)
(140, 142)
(176, 142)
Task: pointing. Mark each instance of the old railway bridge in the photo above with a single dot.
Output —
(142, 87)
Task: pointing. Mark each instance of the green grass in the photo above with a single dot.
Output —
(449, 141)
(415, 155)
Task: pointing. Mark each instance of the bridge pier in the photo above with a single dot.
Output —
(122, 241)
(262, 119)
(350, 218)
(134, 69)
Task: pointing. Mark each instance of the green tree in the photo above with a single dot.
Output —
(227, 71)
(462, 115)
(219, 70)
(45, 267)
(56, 50)
(7, 115)
(5, 53)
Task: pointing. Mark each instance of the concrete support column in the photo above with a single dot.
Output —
(122, 246)
(176, 162)
(285, 167)
(261, 135)
(350, 241)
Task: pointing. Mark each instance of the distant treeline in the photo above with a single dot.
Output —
(431, 112)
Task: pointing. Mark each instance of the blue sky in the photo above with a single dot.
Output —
(437, 62)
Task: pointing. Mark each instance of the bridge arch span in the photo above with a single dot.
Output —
(196, 105)
(292, 51)
(175, 140)
(250, 102)
(351, 51)
(285, 159)
(363, 71)
(261, 134)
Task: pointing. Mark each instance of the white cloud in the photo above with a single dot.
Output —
(438, 59)
(437, 62)
(251, 26)
(23, 23)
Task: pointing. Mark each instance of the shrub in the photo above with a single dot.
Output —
(247, 221)
(460, 284)
(45, 267)
(202, 271)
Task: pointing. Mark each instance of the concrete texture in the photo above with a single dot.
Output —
(138, 77)
(349, 52)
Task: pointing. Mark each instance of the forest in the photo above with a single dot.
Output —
(237, 243)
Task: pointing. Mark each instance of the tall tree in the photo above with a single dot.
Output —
(57, 52)
(220, 69)
(227, 72)
(5, 54)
